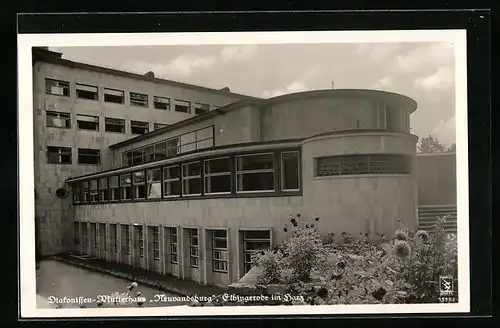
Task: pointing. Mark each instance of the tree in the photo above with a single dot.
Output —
(452, 149)
(431, 145)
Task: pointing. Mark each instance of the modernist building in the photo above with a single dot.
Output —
(196, 197)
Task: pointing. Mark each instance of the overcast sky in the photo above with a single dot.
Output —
(423, 71)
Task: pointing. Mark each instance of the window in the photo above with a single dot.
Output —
(173, 245)
(171, 183)
(140, 239)
(126, 243)
(76, 233)
(113, 228)
(193, 248)
(114, 96)
(137, 156)
(93, 235)
(160, 150)
(363, 164)
(173, 147)
(188, 142)
(89, 156)
(139, 185)
(114, 188)
(255, 173)
(219, 251)
(85, 189)
(58, 120)
(87, 92)
(77, 193)
(205, 138)
(125, 186)
(94, 196)
(158, 126)
(103, 190)
(201, 108)
(127, 158)
(253, 241)
(58, 155)
(148, 154)
(290, 170)
(114, 125)
(156, 243)
(138, 99)
(138, 127)
(182, 106)
(87, 122)
(102, 235)
(154, 183)
(57, 88)
(84, 236)
(218, 176)
(161, 103)
(191, 179)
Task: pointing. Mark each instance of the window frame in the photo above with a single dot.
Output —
(193, 234)
(282, 171)
(96, 93)
(124, 125)
(242, 172)
(58, 114)
(252, 251)
(221, 250)
(86, 115)
(113, 190)
(122, 186)
(191, 177)
(204, 107)
(67, 87)
(114, 90)
(173, 231)
(169, 107)
(137, 125)
(61, 151)
(96, 155)
(170, 180)
(135, 184)
(135, 102)
(103, 190)
(207, 175)
(179, 102)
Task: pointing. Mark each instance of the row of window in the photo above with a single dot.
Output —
(194, 140)
(91, 92)
(91, 123)
(63, 155)
(232, 174)
(97, 239)
(363, 164)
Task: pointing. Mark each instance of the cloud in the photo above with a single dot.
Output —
(239, 52)
(296, 86)
(442, 79)
(426, 56)
(386, 82)
(180, 66)
(377, 51)
(445, 131)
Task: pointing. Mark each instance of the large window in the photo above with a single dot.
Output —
(138, 127)
(254, 241)
(57, 88)
(154, 183)
(114, 188)
(191, 179)
(116, 125)
(218, 176)
(171, 182)
(182, 106)
(94, 196)
(58, 120)
(139, 185)
(89, 156)
(200, 108)
(87, 122)
(193, 248)
(290, 171)
(58, 155)
(138, 99)
(219, 251)
(363, 164)
(87, 92)
(114, 96)
(255, 173)
(161, 103)
(103, 190)
(126, 186)
(173, 245)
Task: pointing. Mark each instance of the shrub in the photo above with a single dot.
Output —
(271, 262)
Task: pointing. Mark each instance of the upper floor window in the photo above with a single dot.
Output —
(138, 99)
(58, 155)
(57, 87)
(255, 173)
(218, 175)
(159, 126)
(89, 156)
(87, 122)
(87, 92)
(114, 188)
(201, 108)
(161, 103)
(363, 164)
(126, 186)
(154, 183)
(290, 171)
(58, 119)
(191, 179)
(138, 127)
(182, 106)
(171, 182)
(139, 184)
(114, 96)
(114, 125)
(103, 190)
(94, 196)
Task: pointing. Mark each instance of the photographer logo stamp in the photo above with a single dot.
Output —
(446, 286)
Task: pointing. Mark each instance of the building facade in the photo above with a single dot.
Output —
(197, 198)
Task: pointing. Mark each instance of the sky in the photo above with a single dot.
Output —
(423, 71)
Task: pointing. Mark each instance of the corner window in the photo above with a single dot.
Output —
(58, 155)
(114, 96)
(58, 120)
(139, 185)
(255, 173)
(87, 122)
(103, 190)
(57, 87)
(218, 176)
(201, 108)
(138, 99)
(87, 92)
(290, 171)
(193, 248)
(161, 103)
(182, 106)
(171, 182)
(89, 156)
(114, 188)
(114, 125)
(126, 186)
(154, 184)
(138, 127)
(191, 179)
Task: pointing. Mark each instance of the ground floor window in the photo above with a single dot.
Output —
(156, 243)
(194, 248)
(102, 235)
(126, 239)
(219, 251)
(84, 236)
(254, 241)
(173, 245)
(113, 230)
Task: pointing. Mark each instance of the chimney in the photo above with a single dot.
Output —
(150, 74)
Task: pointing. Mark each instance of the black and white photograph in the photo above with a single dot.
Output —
(243, 173)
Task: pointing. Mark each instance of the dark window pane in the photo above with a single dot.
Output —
(290, 170)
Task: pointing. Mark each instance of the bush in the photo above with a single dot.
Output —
(271, 262)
